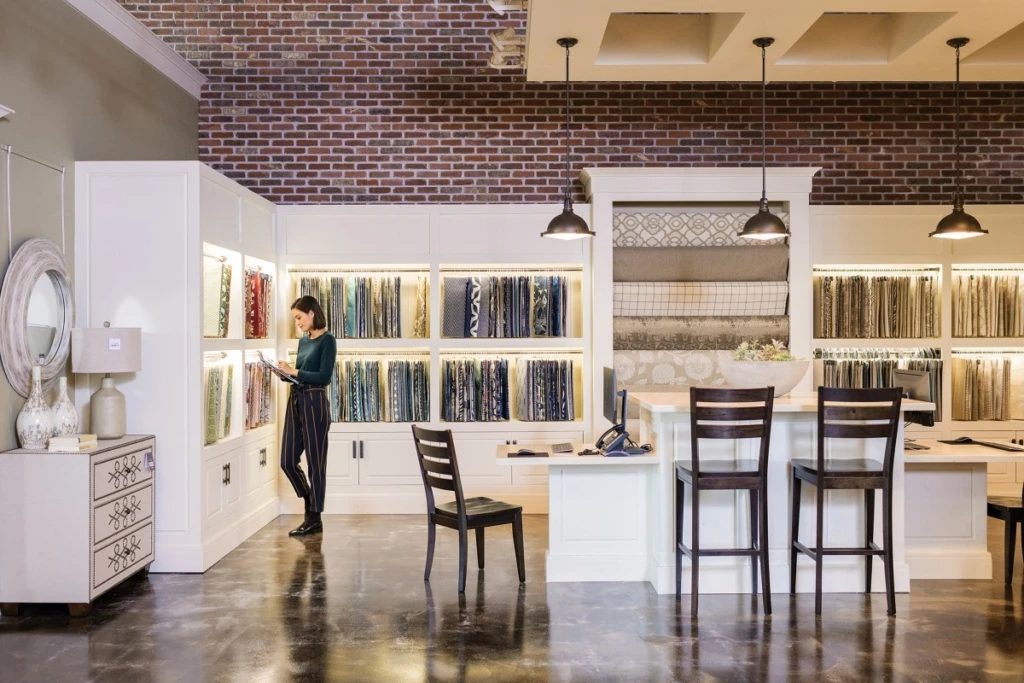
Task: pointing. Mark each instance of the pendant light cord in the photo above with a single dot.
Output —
(957, 98)
(568, 197)
(764, 128)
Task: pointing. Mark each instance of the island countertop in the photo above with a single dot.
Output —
(796, 402)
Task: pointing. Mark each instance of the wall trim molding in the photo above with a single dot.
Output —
(131, 33)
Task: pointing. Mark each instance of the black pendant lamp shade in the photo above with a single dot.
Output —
(959, 224)
(764, 225)
(567, 225)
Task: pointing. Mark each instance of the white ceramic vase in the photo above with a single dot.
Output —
(752, 374)
(34, 424)
(63, 413)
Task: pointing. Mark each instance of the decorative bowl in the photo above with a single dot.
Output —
(751, 374)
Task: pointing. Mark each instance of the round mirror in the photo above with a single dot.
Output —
(36, 315)
(45, 317)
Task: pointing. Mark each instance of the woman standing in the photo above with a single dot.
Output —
(309, 416)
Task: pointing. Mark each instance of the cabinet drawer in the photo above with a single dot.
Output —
(122, 513)
(122, 472)
(122, 555)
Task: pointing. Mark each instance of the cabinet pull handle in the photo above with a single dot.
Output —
(224, 475)
(263, 457)
(148, 461)
(361, 454)
(353, 450)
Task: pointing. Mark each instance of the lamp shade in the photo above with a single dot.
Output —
(567, 226)
(958, 225)
(764, 225)
(106, 349)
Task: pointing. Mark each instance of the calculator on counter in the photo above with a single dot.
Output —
(562, 448)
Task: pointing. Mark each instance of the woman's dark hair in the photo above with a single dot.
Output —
(308, 304)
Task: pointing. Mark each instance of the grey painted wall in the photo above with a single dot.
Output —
(78, 95)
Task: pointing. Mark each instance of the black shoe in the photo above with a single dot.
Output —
(311, 525)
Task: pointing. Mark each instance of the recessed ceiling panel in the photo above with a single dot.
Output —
(663, 38)
(862, 37)
(1006, 49)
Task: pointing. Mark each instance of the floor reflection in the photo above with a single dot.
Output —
(352, 606)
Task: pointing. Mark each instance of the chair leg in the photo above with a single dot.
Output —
(463, 542)
(794, 533)
(480, 547)
(1009, 548)
(869, 535)
(766, 587)
(820, 544)
(754, 530)
(694, 546)
(431, 533)
(890, 578)
(680, 506)
(517, 541)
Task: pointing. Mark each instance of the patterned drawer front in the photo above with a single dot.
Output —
(124, 554)
(122, 472)
(122, 513)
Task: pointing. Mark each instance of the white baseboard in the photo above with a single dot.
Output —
(949, 564)
(196, 559)
(732, 575)
(574, 568)
(363, 502)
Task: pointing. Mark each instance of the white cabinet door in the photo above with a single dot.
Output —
(268, 476)
(342, 465)
(537, 475)
(388, 460)
(478, 465)
(233, 489)
(213, 492)
(252, 484)
(998, 472)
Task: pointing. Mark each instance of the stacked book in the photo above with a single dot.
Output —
(73, 442)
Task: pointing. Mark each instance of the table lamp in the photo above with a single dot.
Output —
(107, 350)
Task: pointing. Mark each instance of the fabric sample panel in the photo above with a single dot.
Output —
(679, 229)
(666, 333)
(665, 371)
(699, 298)
(211, 297)
(701, 264)
(453, 314)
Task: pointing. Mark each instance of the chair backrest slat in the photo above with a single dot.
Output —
(859, 414)
(440, 482)
(439, 468)
(731, 414)
(746, 431)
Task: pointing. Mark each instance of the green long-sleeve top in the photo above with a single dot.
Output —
(315, 360)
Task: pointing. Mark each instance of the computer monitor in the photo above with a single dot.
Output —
(917, 385)
(612, 413)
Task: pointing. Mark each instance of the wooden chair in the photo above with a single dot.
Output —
(440, 470)
(1011, 510)
(710, 419)
(850, 414)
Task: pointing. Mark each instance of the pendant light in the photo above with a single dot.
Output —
(567, 225)
(959, 224)
(764, 225)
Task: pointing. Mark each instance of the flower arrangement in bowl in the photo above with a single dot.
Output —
(755, 364)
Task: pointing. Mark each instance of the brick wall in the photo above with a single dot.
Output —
(314, 102)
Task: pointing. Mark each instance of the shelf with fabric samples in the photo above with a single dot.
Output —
(987, 302)
(531, 389)
(367, 302)
(511, 302)
(223, 300)
(259, 298)
(260, 388)
(877, 301)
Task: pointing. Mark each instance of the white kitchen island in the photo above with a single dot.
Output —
(611, 519)
(665, 424)
(947, 518)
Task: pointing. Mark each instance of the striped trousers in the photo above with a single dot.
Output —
(306, 424)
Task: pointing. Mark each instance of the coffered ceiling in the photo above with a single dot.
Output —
(815, 40)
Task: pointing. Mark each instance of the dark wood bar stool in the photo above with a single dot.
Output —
(850, 414)
(1011, 510)
(440, 470)
(715, 415)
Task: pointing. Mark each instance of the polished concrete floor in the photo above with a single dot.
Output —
(353, 607)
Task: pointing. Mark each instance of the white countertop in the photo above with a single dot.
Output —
(795, 402)
(569, 459)
(965, 453)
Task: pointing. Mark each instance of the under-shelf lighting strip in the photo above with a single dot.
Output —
(879, 270)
